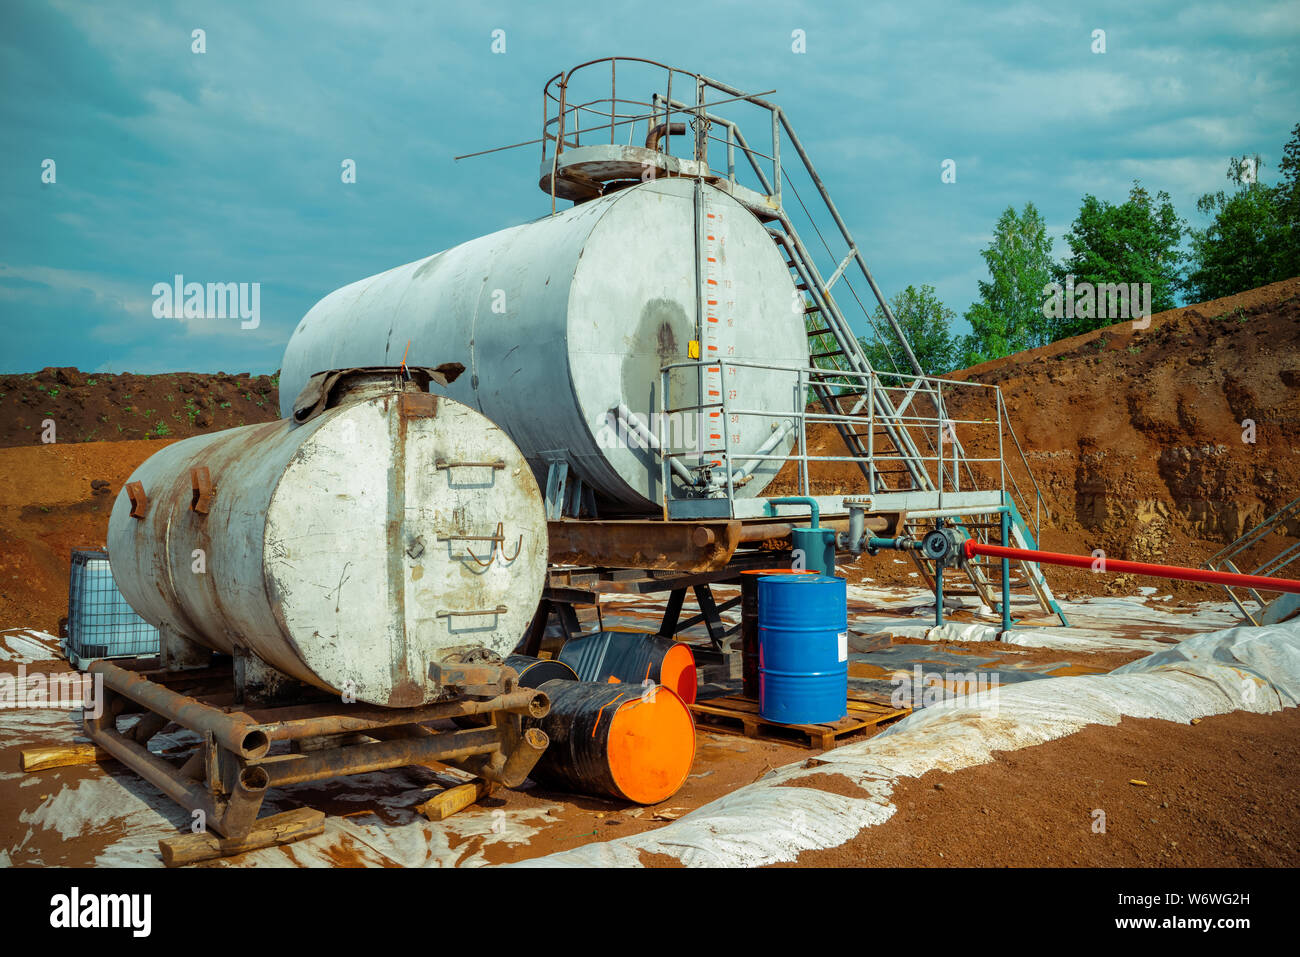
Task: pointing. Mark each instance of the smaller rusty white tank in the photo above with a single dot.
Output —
(378, 531)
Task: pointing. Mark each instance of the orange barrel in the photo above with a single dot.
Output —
(620, 741)
(633, 657)
(534, 671)
(749, 626)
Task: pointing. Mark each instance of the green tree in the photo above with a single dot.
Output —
(1137, 241)
(1255, 237)
(927, 324)
(1287, 200)
(1008, 316)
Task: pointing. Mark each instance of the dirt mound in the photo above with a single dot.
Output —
(1158, 444)
(95, 407)
(49, 506)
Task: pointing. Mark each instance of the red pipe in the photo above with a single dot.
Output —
(1258, 582)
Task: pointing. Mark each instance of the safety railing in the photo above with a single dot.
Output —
(923, 410)
(590, 104)
(582, 106)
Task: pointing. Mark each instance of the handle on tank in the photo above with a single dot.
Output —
(498, 610)
(441, 464)
(498, 541)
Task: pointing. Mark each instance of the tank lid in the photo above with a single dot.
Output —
(325, 390)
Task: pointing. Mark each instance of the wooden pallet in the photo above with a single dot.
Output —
(735, 714)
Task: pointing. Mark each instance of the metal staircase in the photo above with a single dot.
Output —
(834, 347)
(900, 434)
(1271, 610)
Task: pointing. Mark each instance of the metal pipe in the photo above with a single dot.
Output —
(776, 438)
(235, 732)
(764, 454)
(938, 593)
(1006, 574)
(770, 530)
(153, 769)
(657, 132)
(362, 758)
(513, 767)
(642, 431)
(800, 500)
(318, 720)
(857, 528)
(521, 761)
(245, 802)
(1177, 572)
(766, 532)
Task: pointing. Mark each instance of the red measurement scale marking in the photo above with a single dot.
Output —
(713, 374)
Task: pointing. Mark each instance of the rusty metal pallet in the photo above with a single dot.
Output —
(735, 714)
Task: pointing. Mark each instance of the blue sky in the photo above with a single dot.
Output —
(225, 166)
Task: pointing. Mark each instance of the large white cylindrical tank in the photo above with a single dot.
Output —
(349, 551)
(562, 320)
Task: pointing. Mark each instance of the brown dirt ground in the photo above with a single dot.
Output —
(1220, 793)
(47, 508)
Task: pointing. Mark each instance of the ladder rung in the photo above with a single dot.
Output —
(818, 332)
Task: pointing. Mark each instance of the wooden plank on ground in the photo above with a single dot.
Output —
(283, 828)
(63, 756)
(446, 803)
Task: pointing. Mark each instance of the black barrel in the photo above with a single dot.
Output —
(749, 626)
(632, 657)
(621, 741)
(534, 671)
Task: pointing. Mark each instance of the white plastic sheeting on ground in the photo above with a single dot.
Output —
(1093, 623)
(27, 646)
(1244, 668)
(396, 836)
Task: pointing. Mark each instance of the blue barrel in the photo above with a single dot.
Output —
(803, 653)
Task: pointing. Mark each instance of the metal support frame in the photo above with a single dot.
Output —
(227, 777)
(861, 403)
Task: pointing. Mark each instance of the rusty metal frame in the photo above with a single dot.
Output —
(226, 778)
(696, 546)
